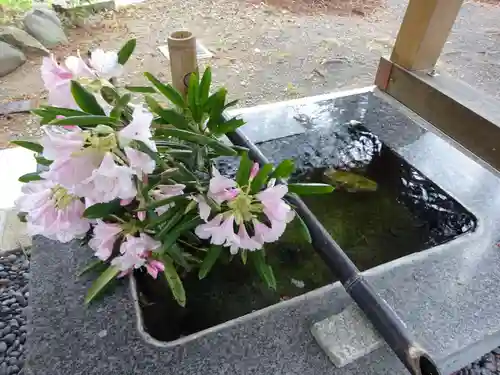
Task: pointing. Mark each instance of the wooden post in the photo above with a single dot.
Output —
(182, 51)
(423, 33)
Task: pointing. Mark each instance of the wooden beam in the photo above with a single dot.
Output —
(463, 113)
(423, 33)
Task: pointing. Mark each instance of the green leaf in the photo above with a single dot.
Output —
(205, 83)
(183, 226)
(163, 202)
(100, 210)
(110, 95)
(243, 174)
(42, 161)
(168, 115)
(174, 281)
(212, 255)
(141, 89)
(175, 252)
(304, 230)
(265, 271)
(101, 282)
(89, 120)
(120, 105)
(193, 97)
(89, 267)
(244, 256)
(284, 169)
(230, 126)
(33, 146)
(85, 99)
(312, 188)
(63, 111)
(231, 104)
(169, 225)
(215, 106)
(30, 177)
(163, 218)
(167, 90)
(185, 135)
(261, 178)
(126, 51)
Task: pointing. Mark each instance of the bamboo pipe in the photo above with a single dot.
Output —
(183, 62)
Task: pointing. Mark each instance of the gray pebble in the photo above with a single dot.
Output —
(2, 325)
(20, 299)
(6, 331)
(12, 360)
(26, 264)
(15, 354)
(3, 369)
(4, 274)
(11, 258)
(4, 282)
(3, 347)
(26, 275)
(9, 339)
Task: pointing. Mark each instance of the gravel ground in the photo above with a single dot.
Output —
(14, 295)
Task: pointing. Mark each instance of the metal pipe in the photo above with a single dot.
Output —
(377, 310)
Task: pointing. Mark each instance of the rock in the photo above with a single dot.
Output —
(22, 40)
(3, 347)
(11, 258)
(3, 281)
(3, 369)
(43, 27)
(20, 299)
(9, 339)
(48, 12)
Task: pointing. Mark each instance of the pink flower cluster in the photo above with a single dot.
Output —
(241, 212)
(88, 167)
(57, 78)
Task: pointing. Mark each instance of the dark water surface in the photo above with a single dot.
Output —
(406, 214)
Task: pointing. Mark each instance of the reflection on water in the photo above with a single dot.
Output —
(407, 213)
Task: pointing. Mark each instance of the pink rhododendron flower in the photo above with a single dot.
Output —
(104, 238)
(203, 207)
(109, 181)
(139, 129)
(154, 267)
(135, 252)
(140, 162)
(72, 172)
(254, 170)
(274, 207)
(105, 63)
(59, 144)
(245, 241)
(164, 192)
(57, 79)
(219, 230)
(221, 188)
(205, 231)
(52, 212)
(243, 210)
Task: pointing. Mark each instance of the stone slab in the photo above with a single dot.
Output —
(447, 296)
(347, 336)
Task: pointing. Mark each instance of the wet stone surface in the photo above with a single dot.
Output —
(14, 296)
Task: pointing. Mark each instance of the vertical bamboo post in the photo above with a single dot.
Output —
(182, 51)
(423, 33)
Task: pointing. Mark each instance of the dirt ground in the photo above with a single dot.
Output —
(264, 53)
